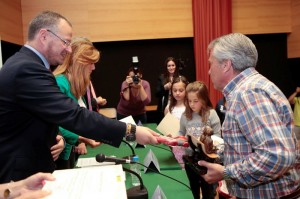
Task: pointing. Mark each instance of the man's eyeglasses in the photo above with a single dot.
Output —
(66, 43)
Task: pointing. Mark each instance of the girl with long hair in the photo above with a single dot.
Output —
(198, 114)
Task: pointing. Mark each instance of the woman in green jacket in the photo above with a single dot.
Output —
(73, 78)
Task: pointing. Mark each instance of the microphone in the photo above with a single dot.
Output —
(136, 192)
(103, 158)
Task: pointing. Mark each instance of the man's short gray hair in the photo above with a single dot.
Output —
(235, 47)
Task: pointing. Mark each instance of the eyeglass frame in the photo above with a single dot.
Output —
(66, 43)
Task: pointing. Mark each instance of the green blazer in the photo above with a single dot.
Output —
(70, 137)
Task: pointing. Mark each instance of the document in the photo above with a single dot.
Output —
(87, 162)
(91, 182)
(129, 119)
(169, 125)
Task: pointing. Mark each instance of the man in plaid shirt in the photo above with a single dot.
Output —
(261, 157)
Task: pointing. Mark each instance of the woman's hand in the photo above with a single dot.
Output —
(80, 149)
(101, 101)
(129, 80)
(92, 143)
(57, 148)
(167, 86)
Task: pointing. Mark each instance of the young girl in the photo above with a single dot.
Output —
(177, 101)
(198, 114)
(177, 107)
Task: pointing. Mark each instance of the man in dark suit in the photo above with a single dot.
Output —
(32, 106)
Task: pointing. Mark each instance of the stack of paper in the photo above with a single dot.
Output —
(91, 182)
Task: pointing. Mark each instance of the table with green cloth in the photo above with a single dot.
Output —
(167, 162)
(171, 188)
(162, 152)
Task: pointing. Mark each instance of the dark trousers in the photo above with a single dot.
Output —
(67, 164)
(196, 182)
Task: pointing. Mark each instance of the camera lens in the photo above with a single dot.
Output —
(135, 79)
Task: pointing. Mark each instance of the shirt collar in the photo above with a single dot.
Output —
(46, 63)
(238, 79)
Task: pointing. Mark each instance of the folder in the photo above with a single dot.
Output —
(169, 125)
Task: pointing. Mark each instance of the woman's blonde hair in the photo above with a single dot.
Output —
(75, 65)
(202, 93)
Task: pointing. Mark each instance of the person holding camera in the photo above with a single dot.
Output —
(135, 95)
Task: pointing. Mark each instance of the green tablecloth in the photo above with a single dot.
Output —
(168, 166)
(152, 126)
(171, 188)
(162, 152)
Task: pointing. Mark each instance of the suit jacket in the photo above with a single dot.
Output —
(31, 108)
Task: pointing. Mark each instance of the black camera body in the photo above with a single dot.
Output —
(135, 63)
(136, 79)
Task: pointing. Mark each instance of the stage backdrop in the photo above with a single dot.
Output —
(116, 59)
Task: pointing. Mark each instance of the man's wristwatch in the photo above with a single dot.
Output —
(130, 132)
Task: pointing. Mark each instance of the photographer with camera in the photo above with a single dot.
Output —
(135, 95)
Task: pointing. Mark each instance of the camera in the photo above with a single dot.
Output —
(135, 63)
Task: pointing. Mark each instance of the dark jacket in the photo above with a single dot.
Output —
(31, 108)
(162, 94)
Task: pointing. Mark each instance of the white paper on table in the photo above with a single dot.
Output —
(91, 182)
(129, 119)
(86, 162)
(169, 125)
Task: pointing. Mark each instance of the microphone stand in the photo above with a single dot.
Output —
(132, 150)
(137, 192)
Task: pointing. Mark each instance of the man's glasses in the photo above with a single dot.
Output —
(66, 43)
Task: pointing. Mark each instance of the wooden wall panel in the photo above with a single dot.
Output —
(117, 20)
(261, 16)
(140, 19)
(11, 21)
(75, 10)
(294, 37)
